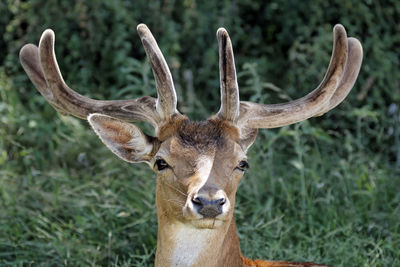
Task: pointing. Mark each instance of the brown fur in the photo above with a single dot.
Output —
(205, 134)
(198, 132)
(186, 147)
(261, 263)
(186, 143)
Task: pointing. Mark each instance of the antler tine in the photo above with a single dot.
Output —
(353, 65)
(29, 57)
(41, 66)
(254, 115)
(229, 87)
(166, 101)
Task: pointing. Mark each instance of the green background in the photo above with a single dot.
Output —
(324, 190)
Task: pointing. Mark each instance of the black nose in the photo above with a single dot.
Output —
(209, 208)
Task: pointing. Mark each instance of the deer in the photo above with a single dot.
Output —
(198, 164)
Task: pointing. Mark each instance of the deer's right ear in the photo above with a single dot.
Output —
(124, 139)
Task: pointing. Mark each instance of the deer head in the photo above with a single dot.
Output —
(198, 164)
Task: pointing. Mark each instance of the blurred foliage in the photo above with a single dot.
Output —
(282, 49)
(285, 43)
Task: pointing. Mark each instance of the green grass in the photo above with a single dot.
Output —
(309, 196)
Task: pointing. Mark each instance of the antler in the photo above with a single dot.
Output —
(41, 66)
(166, 101)
(229, 87)
(339, 79)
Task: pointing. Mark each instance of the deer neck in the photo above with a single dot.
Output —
(180, 244)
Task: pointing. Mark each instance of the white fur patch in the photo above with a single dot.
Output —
(189, 243)
(204, 166)
(138, 142)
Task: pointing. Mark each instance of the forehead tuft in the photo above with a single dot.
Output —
(206, 134)
(203, 134)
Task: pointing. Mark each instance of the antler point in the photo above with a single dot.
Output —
(222, 32)
(355, 41)
(47, 36)
(142, 29)
(26, 50)
(339, 29)
(48, 32)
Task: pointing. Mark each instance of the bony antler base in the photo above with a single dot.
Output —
(198, 164)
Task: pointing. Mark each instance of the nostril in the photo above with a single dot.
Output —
(197, 201)
(221, 201)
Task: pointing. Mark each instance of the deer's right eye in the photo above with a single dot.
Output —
(243, 165)
(161, 164)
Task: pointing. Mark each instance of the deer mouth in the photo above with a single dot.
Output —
(207, 223)
(206, 216)
(202, 222)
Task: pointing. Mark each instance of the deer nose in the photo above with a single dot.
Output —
(209, 208)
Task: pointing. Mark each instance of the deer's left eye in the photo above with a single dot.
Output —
(161, 164)
(243, 165)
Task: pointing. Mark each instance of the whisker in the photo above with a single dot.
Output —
(176, 189)
(176, 201)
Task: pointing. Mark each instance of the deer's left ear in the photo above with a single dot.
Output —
(124, 139)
